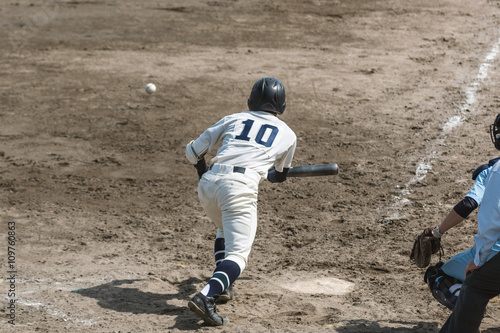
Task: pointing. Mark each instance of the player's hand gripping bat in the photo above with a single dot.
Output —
(313, 170)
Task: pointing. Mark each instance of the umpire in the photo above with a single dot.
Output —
(482, 281)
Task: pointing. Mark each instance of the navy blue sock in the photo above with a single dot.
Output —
(219, 250)
(224, 275)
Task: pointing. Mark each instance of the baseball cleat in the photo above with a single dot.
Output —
(227, 295)
(204, 307)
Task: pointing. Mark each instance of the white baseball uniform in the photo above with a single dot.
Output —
(252, 143)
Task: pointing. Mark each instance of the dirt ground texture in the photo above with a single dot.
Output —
(110, 236)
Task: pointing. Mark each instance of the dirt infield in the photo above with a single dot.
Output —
(109, 234)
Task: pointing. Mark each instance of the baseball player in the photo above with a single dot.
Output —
(481, 281)
(255, 145)
(445, 279)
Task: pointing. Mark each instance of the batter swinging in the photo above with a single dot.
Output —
(255, 145)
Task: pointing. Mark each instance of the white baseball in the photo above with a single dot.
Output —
(150, 88)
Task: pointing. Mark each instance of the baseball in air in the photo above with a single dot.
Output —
(150, 88)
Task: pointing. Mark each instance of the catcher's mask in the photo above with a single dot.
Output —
(495, 132)
(268, 94)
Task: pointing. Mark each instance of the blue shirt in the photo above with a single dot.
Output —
(477, 190)
(488, 216)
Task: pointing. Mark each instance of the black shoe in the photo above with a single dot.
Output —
(227, 295)
(204, 307)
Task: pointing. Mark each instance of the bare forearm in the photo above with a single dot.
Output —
(451, 220)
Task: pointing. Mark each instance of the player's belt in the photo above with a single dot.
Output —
(225, 168)
(239, 169)
(235, 168)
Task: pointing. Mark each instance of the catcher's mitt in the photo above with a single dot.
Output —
(424, 246)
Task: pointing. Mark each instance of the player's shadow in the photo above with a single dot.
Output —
(117, 295)
(366, 326)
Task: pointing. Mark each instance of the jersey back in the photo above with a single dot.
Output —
(253, 139)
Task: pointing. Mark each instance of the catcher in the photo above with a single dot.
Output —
(481, 283)
(456, 283)
(445, 278)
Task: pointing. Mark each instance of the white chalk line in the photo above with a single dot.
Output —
(453, 122)
(51, 310)
(55, 312)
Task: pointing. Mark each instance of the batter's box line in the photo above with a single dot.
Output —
(55, 312)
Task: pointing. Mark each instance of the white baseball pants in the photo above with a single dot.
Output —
(228, 195)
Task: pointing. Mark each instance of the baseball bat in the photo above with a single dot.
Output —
(314, 170)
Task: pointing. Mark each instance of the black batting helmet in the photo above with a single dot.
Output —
(495, 132)
(268, 94)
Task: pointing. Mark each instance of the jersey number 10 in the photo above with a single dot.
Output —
(260, 135)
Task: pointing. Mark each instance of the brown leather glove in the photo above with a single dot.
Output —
(424, 246)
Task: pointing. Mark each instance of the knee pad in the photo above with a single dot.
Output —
(444, 288)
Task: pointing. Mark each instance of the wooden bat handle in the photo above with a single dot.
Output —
(313, 170)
